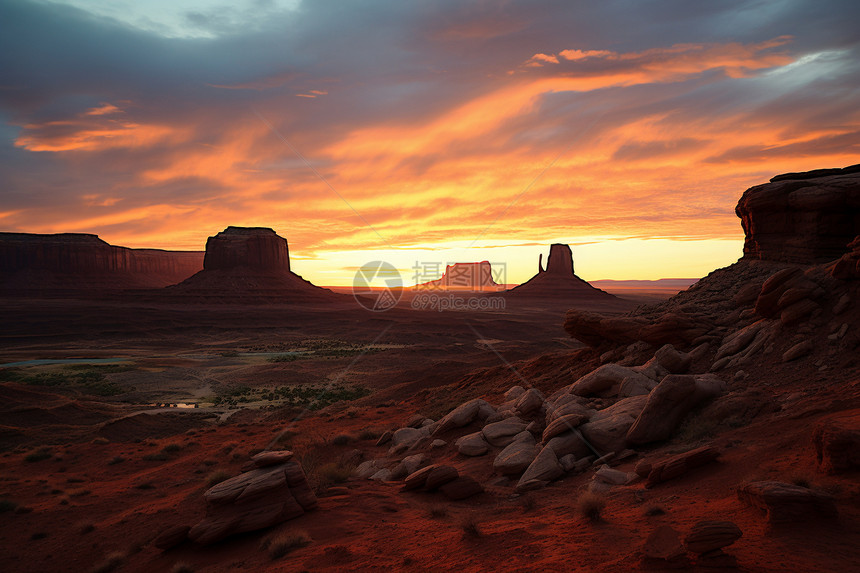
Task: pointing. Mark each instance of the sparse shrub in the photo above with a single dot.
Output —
(341, 440)
(438, 511)
(217, 477)
(38, 455)
(229, 447)
(368, 434)
(116, 460)
(529, 503)
(75, 480)
(145, 485)
(39, 535)
(182, 568)
(209, 462)
(7, 505)
(591, 505)
(283, 543)
(157, 457)
(111, 563)
(101, 441)
(78, 492)
(171, 448)
(85, 528)
(652, 510)
(335, 472)
(470, 529)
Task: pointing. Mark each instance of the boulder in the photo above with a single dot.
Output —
(568, 462)
(438, 444)
(707, 536)
(472, 444)
(786, 504)
(513, 393)
(385, 474)
(440, 476)
(407, 437)
(418, 478)
(516, 457)
(502, 433)
(464, 414)
(610, 476)
(569, 404)
(605, 379)
(544, 468)
(669, 402)
(672, 360)
(837, 442)
(799, 350)
(607, 429)
(569, 443)
(366, 469)
(271, 458)
(680, 464)
(461, 488)
(596, 329)
(530, 401)
(254, 500)
(171, 537)
(408, 466)
(848, 266)
(563, 424)
(384, 438)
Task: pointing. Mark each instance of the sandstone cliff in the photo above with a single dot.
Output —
(76, 261)
(464, 277)
(803, 218)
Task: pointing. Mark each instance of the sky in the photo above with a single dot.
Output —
(422, 131)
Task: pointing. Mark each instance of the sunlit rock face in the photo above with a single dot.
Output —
(76, 260)
(803, 218)
(256, 248)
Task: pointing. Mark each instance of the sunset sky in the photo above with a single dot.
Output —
(422, 131)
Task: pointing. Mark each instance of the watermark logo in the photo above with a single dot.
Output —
(442, 302)
(377, 286)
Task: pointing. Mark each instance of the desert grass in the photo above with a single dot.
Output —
(591, 505)
(285, 542)
(471, 529)
(111, 563)
(38, 455)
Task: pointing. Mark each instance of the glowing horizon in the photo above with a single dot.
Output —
(455, 133)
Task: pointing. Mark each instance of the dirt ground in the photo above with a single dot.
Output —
(86, 483)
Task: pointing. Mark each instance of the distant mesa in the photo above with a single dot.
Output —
(76, 262)
(559, 283)
(249, 264)
(802, 218)
(470, 277)
(258, 248)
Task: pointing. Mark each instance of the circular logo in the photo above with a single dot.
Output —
(377, 286)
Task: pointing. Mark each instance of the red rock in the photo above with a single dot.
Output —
(461, 488)
(172, 537)
(595, 329)
(706, 536)
(271, 458)
(417, 479)
(787, 504)
(253, 500)
(252, 247)
(474, 277)
(837, 442)
(79, 262)
(801, 218)
(440, 476)
(680, 464)
(848, 267)
(563, 424)
(669, 403)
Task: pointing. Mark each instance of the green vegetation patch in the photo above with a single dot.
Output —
(313, 396)
(89, 379)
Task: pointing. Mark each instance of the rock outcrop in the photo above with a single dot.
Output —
(249, 265)
(261, 497)
(257, 248)
(837, 442)
(802, 218)
(559, 283)
(69, 262)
